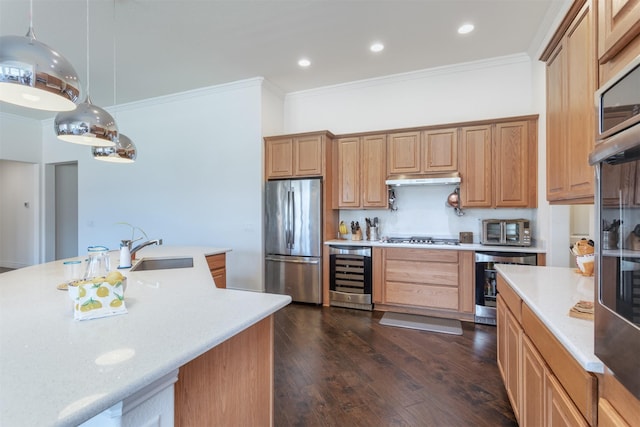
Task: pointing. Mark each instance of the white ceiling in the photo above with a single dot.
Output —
(169, 46)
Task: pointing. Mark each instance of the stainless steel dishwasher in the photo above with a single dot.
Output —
(350, 281)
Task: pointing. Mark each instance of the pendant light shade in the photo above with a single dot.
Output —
(123, 152)
(88, 125)
(36, 76)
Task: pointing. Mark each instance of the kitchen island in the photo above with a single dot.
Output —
(56, 371)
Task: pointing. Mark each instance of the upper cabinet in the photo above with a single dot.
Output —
(571, 83)
(427, 151)
(361, 172)
(296, 155)
(499, 164)
(618, 25)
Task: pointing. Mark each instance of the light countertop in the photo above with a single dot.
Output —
(550, 292)
(461, 247)
(56, 371)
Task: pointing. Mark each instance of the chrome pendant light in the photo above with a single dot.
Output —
(88, 124)
(34, 75)
(123, 152)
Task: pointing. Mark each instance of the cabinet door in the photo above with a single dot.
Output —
(501, 336)
(619, 23)
(307, 156)
(476, 167)
(533, 385)
(440, 150)
(560, 410)
(512, 165)
(403, 153)
(557, 172)
(581, 85)
(349, 173)
(513, 335)
(608, 416)
(374, 171)
(279, 155)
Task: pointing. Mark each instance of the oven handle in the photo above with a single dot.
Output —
(615, 144)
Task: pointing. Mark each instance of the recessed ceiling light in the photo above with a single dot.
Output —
(376, 47)
(304, 62)
(465, 28)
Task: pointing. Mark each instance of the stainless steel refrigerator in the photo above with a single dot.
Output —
(293, 239)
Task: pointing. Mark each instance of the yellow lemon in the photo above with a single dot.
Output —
(102, 291)
(114, 277)
(82, 292)
(116, 303)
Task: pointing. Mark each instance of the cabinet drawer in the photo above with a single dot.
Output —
(580, 385)
(421, 272)
(421, 255)
(422, 295)
(510, 298)
(216, 261)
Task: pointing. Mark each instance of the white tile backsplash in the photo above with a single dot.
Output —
(423, 210)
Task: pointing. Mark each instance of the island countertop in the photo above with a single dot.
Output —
(57, 371)
(550, 292)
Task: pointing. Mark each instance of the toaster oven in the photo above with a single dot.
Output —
(506, 232)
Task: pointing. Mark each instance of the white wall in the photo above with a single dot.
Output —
(197, 179)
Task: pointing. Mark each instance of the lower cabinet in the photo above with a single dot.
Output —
(425, 279)
(539, 394)
(217, 266)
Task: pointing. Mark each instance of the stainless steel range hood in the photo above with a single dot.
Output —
(452, 178)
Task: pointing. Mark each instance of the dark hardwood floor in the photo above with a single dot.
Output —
(340, 367)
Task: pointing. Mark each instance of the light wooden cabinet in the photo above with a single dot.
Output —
(403, 153)
(534, 375)
(361, 172)
(499, 165)
(476, 190)
(560, 409)
(412, 280)
(618, 25)
(229, 385)
(608, 416)
(545, 385)
(217, 266)
(440, 150)
(428, 151)
(295, 156)
(571, 82)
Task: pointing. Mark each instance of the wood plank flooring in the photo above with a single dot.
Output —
(340, 367)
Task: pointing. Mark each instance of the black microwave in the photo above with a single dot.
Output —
(616, 158)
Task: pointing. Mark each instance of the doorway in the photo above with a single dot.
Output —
(61, 217)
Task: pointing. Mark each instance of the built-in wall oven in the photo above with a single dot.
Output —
(486, 292)
(616, 158)
(350, 277)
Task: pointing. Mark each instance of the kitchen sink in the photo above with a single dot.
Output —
(162, 263)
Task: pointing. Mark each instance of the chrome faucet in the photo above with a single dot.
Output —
(145, 244)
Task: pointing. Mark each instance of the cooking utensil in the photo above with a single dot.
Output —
(454, 199)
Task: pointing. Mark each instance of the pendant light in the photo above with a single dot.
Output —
(88, 124)
(123, 152)
(34, 75)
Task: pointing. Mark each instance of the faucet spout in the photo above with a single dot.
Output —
(145, 244)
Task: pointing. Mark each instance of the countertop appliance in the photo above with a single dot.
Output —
(293, 239)
(506, 232)
(350, 280)
(423, 240)
(616, 158)
(486, 292)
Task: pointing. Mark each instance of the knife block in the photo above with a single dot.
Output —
(357, 235)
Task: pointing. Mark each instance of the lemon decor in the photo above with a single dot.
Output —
(98, 296)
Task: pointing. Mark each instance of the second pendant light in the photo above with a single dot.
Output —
(88, 124)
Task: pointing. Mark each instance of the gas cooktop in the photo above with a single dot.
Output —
(423, 240)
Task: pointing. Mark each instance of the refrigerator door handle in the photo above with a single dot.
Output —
(295, 261)
(293, 218)
(288, 220)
